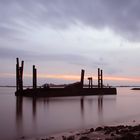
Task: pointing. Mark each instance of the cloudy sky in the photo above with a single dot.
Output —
(63, 36)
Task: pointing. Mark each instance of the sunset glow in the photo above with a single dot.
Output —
(75, 77)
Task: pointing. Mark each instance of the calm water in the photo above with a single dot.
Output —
(39, 117)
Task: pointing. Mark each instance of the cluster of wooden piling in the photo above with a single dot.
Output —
(100, 79)
(19, 75)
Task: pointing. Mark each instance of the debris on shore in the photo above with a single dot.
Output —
(120, 132)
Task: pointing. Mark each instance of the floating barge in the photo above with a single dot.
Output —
(75, 89)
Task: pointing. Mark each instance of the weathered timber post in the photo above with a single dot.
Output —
(82, 77)
(101, 78)
(89, 82)
(19, 75)
(98, 77)
(34, 77)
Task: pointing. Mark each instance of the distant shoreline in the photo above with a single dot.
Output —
(63, 86)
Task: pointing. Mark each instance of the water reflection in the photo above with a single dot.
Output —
(43, 115)
(100, 105)
(34, 107)
(100, 108)
(82, 106)
(19, 113)
(19, 107)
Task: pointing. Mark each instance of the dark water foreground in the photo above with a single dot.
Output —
(30, 117)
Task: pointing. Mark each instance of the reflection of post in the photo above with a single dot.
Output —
(19, 109)
(34, 106)
(82, 106)
(100, 108)
(100, 103)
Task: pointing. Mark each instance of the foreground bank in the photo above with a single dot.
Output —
(121, 132)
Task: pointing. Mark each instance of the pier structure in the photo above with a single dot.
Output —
(19, 75)
(74, 89)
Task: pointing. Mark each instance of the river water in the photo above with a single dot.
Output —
(30, 117)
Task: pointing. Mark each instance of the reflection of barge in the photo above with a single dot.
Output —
(75, 89)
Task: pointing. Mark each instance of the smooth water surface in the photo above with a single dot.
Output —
(30, 117)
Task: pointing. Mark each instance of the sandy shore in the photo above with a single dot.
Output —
(120, 132)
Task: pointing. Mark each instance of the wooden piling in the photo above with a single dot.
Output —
(34, 77)
(19, 75)
(88, 82)
(100, 78)
(82, 77)
(91, 82)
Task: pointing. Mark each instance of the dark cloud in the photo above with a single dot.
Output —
(74, 59)
(33, 56)
(7, 53)
(122, 16)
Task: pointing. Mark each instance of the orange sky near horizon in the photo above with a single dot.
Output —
(75, 77)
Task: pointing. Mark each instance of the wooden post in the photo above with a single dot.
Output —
(91, 82)
(34, 77)
(17, 74)
(101, 78)
(82, 77)
(21, 73)
(98, 77)
(20, 78)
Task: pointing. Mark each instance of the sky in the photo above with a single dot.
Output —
(61, 37)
